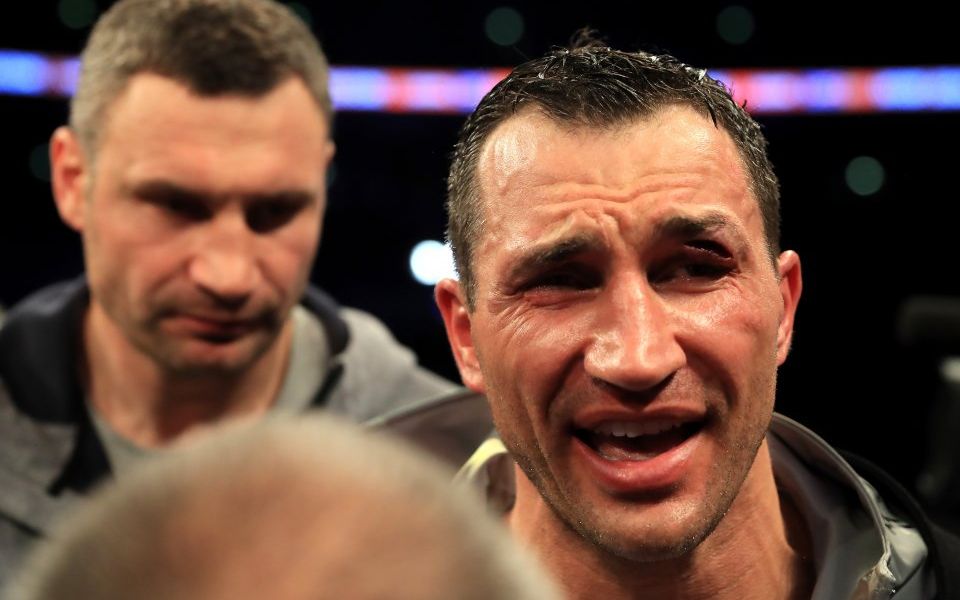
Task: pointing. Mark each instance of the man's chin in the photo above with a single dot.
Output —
(201, 358)
(665, 533)
(652, 549)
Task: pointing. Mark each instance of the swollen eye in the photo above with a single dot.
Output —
(710, 247)
(575, 280)
(707, 270)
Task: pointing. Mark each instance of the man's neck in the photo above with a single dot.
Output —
(151, 406)
(760, 550)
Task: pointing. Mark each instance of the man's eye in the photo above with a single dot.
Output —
(692, 271)
(699, 262)
(267, 216)
(184, 208)
(570, 280)
(705, 270)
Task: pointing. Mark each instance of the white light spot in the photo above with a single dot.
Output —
(432, 261)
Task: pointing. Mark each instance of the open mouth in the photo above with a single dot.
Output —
(633, 441)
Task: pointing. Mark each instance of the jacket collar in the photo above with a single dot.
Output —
(859, 542)
(45, 438)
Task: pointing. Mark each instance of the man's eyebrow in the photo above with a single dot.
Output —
(552, 253)
(291, 196)
(162, 188)
(686, 227)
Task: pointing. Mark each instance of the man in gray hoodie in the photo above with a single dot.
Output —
(194, 168)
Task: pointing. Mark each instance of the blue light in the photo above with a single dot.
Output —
(431, 261)
(69, 75)
(430, 90)
(399, 90)
(909, 89)
(476, 83)
(773, 92)
(721, 76)
(22, 73)
(826, 90)
(900, 89)
(945, 84)
(359, 88)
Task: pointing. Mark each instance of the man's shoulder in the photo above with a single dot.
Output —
(33, 453)
(42, 318)
(355, 332)
(377, 358)
(374, 372)
(43, 308)
(377, 381)
(38, 342)
(37, 395)
(943, 546)
(867, 530)
(37, 362)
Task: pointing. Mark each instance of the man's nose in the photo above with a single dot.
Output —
(635, 344)
(225, 265)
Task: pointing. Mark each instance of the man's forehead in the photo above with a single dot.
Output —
(511, 148)
(531, 150)
(533, 167)
(157, 118)
(151, 96)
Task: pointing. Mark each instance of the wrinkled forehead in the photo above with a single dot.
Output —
(516, 142)
(532, 165)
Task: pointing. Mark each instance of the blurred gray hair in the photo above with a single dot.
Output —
(294, 508)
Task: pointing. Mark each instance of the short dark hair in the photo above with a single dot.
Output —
(593, 85)
(212, 46)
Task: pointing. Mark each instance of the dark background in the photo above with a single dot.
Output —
(849, 377)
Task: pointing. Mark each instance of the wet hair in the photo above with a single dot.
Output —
(594, 86)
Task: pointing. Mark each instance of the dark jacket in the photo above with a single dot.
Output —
(50, 455)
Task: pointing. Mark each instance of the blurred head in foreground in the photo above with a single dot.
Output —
(313, 508)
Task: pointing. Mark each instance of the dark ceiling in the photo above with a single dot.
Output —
(453, 33)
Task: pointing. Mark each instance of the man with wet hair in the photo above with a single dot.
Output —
(624, 305)
(194, 169)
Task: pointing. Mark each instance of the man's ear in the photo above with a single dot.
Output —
(456, 318)
(791, 284)
(69, 174)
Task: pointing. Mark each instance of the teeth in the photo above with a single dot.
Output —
(633, 429)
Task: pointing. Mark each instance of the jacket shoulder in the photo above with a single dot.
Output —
(943, 546)
(380, 374)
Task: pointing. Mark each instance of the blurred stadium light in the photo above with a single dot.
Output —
(457, 91)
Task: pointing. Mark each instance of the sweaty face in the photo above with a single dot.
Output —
(200, 219)
(628, 323)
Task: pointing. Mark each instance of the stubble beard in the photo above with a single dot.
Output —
(600, 532)
(188, 358)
